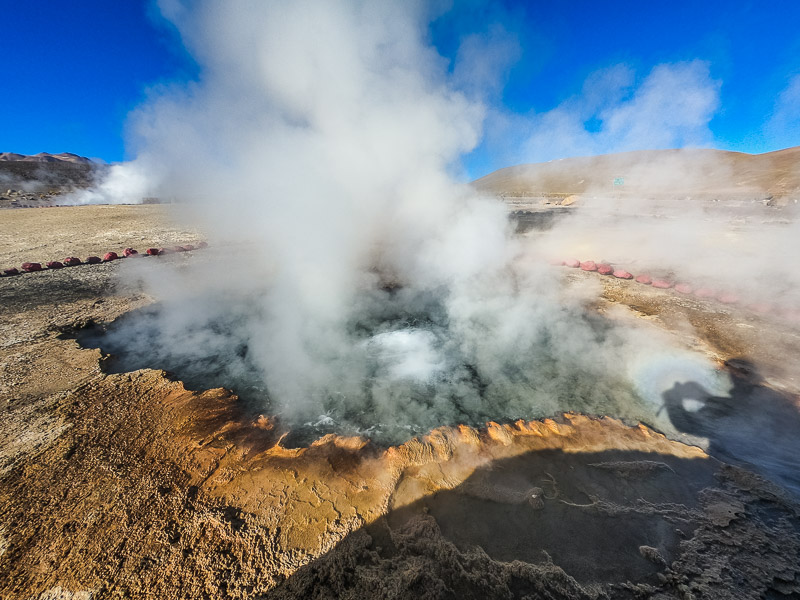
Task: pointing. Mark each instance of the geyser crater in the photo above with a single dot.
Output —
(403, 366)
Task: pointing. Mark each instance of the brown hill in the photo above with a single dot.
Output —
(684, 172)
(45, 157)
(25, 178)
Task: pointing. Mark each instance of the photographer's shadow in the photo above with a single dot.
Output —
(754, 426)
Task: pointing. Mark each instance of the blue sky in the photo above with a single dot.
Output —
(73, 71)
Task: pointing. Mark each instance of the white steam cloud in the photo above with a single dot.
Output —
(125, 183)
(351, 277)
(670, 108)
(711, 219)
(785, 119)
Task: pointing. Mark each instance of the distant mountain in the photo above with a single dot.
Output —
(45, 157)
(685, 172)
(37, 180)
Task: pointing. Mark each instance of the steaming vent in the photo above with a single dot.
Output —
(319, 149)
(406, 361)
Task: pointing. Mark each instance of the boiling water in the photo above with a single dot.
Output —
(406, 368)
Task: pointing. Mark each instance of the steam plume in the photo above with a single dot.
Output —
(355, 280)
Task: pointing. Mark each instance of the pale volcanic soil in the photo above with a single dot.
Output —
(54, 233)
(129, 485)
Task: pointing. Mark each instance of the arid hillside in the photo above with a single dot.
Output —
(36, 180)
(45, 157)
(681, 173)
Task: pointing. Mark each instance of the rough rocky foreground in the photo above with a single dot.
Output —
(131, 486)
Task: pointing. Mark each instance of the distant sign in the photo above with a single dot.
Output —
(619, 181)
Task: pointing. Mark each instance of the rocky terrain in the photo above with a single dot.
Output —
(38, 180)
(129, 485)
(45, 157)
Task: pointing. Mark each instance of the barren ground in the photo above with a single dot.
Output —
(45, 234)
(130, 486)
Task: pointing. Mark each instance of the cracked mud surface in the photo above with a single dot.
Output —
(129, 485)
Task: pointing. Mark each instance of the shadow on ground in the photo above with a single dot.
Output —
(549, 524)
(754, 426)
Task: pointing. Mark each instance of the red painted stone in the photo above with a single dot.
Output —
(645, 279)
(791, 314)
(761, 308)
(705, 292)
(589, 265)
(622, 274)
(605, 269)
